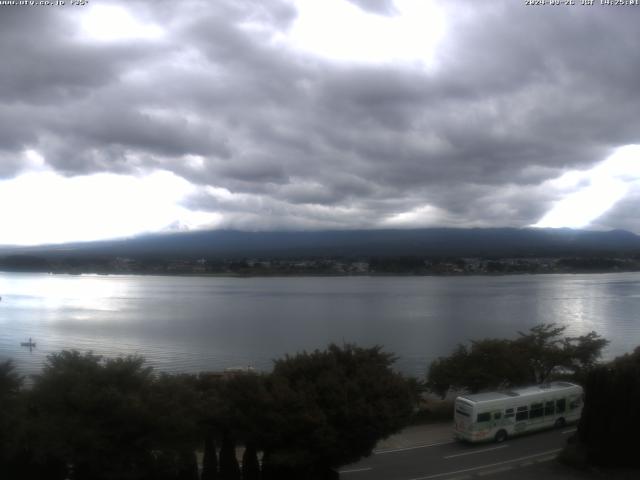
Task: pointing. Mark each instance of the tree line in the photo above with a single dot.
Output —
(87, 417)
(537, 356)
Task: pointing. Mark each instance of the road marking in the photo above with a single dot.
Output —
(564, 432)
(437, 475)
(393, 450)
(354, 470)
(495, 470)
(475, 451)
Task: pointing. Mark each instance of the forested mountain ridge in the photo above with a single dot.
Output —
(431, 242)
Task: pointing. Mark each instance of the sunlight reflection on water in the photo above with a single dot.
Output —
(205, 323)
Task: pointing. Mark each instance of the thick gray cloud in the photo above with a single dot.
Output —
(516, 97)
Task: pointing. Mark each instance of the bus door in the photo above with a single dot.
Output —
(522, 418)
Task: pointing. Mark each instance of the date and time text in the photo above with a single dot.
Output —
(586, 3)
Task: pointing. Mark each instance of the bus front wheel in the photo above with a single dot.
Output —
(560, 422)
(501, 436)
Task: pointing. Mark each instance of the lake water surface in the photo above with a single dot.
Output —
(210, 323)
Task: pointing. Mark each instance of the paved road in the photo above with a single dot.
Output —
(452, 460)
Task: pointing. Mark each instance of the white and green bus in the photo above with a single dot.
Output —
(499, 415)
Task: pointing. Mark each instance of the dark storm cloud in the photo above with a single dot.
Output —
(516, 96)
(45, 63)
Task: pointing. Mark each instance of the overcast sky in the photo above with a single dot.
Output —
(123, 117)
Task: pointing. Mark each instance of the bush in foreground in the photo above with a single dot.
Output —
(607, 432)
(331, 408)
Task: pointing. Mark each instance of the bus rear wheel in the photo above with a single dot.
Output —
(560, 422)
(501, 436)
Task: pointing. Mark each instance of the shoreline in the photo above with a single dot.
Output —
(321, 275)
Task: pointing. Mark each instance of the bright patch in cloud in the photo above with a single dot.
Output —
(605, 185)
(43, 207)
(111, 22)
(339, 30)
(579, 209)
(33, 160)
(425, 216)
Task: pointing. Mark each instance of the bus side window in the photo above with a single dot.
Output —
(497, 415)
(536, 410)
(561, 405)
(483, 417)
(522, 414)
(573, 404)
(508, 413)
(548, 408)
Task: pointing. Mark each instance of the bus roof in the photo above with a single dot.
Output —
(519, 392)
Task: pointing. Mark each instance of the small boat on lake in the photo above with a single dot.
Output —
(29, 344)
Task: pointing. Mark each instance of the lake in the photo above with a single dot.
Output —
(190, 324)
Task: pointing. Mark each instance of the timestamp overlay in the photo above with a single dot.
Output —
(582, 3)
(43, 3)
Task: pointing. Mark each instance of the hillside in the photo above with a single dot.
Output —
(428, 243)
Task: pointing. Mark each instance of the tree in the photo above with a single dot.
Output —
(250, 464)
(11, 419)
(210, 459)
(85, 410)
(237, 407)
(533, 357)
(114, 419)
(447, 372)
(542, 349)
(545, 351)
(229, 468)
(331, 407)
(489, 363)
(610, 418)
(10, 381)
(187, 465)
(173, 401)
(583, 352)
